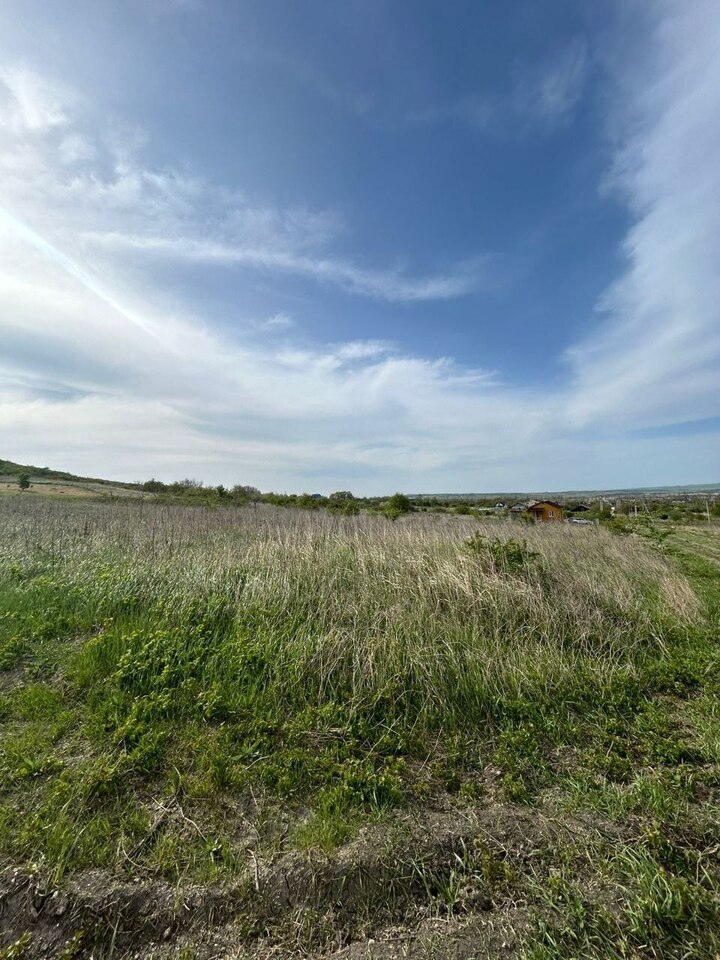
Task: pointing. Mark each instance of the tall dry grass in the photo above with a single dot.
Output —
(368, 610)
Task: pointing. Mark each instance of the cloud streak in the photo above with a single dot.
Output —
(659, 345)
(93, 187)
(391, 286)
(540, 97)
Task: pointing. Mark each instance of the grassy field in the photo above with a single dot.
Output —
(253, 732)
(67, 488)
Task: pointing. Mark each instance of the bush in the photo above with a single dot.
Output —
(346, 508)
(506, 556)
(397, 505)
(153, 486)
(244, 491)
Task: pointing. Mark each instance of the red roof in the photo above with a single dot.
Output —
(545, 503)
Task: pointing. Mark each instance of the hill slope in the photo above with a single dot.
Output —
(8, 468)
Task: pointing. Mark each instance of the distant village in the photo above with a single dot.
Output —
(548, 511)
(678, 506)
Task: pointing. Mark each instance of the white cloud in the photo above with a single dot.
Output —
(76, 149)
(28, 102)
(101, 197)
(658, 344)
(551, 92)
(391, 286)
(540, 96)
(278, 321)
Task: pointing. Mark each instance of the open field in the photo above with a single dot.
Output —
(699, 542)
(68, 488)
(254, 731)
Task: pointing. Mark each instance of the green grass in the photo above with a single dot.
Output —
(659, 779)
(174, 680)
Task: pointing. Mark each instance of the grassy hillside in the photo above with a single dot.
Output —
(46, 482)
(10, 469)
(257, 732)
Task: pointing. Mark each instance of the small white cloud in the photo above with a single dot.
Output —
(552, 92)
(280, 321)
(361, 350)
(28, 102)
(76, 149)
(541, 96)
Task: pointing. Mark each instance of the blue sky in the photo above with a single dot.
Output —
(377, 245)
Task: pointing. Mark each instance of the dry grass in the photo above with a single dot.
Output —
(379, 607)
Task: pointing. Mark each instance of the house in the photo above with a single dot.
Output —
(546, 511)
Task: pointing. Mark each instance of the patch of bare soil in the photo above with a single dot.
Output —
(12, 679)
(95, 907)
(440, 884)
(495, 935)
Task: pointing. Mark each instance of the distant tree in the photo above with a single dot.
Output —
(397, 505)
(186, 484)
(220, 490)
(24, 481)
(241, 490)
(341, 495)
(153, 486)
(347, 507)
(306, 501)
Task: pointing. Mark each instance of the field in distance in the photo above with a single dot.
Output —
(687, 503)
(268, 732)
(57, 483)
(68, 488)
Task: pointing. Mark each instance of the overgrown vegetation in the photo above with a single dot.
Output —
(179, 686)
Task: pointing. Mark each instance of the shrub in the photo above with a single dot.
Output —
(347, 508)
(397, 505)
(153, 486)
(507, 556)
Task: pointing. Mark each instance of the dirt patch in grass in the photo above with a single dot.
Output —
(414, 875)
(491, 935)
(97, 909)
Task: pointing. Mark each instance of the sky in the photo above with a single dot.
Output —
(373, 245)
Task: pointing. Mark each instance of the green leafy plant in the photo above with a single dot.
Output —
(506, 556)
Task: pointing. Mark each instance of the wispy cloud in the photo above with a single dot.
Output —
(392, 286)
(90, 183)
(28, 102)
(539, 97)
(278, 321)
(550, 92)
(658, 343)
